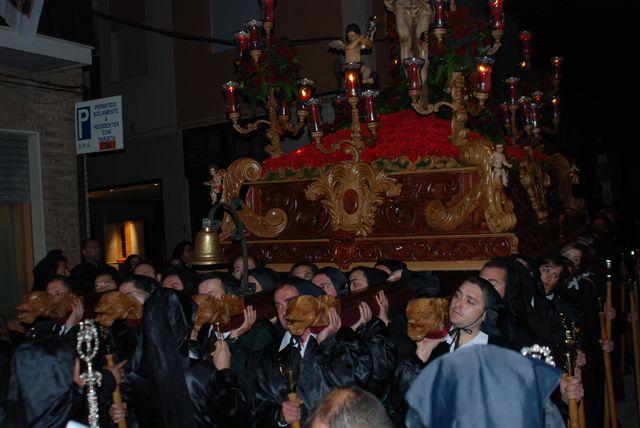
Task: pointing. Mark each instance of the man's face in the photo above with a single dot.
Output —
(57, 289)
(303, 271)
(237, 267)
(130, 290)
(173, 282)
(212, 287)
(323, 281)
(145, 269)
(358, 281)
(467, 306)
(497, 277)
(91, 251)
(281, 297)
(104, 283)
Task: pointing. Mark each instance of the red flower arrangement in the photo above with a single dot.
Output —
(402, 133)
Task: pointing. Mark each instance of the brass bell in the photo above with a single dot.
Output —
(207, 250)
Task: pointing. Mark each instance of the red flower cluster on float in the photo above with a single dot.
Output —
(518, 153)
(401, 133)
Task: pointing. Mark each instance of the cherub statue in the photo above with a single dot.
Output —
(355, 43)
(215, 183)
(575, 177)
(498, 161)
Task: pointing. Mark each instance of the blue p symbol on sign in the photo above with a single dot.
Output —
(83, 123)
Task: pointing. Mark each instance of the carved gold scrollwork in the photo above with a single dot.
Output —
(486, 193)
(350, 192)
(268, 226)
(563, 167)
(535, 181)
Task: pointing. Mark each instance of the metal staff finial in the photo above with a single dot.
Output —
(87, 347)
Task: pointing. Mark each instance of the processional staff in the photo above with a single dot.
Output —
(87, 348)
(569, 365)
(116, 396)
(605, 335)
(635, 327)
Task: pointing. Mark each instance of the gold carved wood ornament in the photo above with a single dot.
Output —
(350, 192)
(268, 226)
(486, 193)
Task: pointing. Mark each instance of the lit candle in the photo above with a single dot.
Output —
(370, 111)
(440, 20)
(268, 10)
(230, 88)
(254, 26)
(556, 67)
(242, 42)
(305, 87)
(506, 115)
(536, 96)
(497, 14)
(512, 83)
(555, 108)
(484, 74)
(351, 71)
(525, 105)
(315, 121)
(412, 66)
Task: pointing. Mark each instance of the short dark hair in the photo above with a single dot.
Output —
(59, 278)
(347, 408)
(353, 27)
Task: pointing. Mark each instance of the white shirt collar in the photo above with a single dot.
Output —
(573, 284)
(481, 338)
(287, 338)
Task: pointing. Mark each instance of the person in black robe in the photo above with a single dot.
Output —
(474, 313)
(329, 358)
(41, 391)
(168, 389)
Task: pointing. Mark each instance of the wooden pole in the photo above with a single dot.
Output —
(635, 339)
(583, 419)
(605, 334)
(117, 398)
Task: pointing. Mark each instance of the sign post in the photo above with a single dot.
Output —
(99, 125)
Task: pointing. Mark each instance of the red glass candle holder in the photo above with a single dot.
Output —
(370, 110)
(536, 96)
(268, 8)
(315, 120)
(555, 108)
(497, 13)
(305, 87)
(440, 19)
(506, 114)
(230, 88)
(412, 66)
(525, 105)
(525, 43)
(535, 115)
(242, 42)
(351, 78)
(283, 107)
(254, 26)
(483, 70)
(512, 84)
(556, 67)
